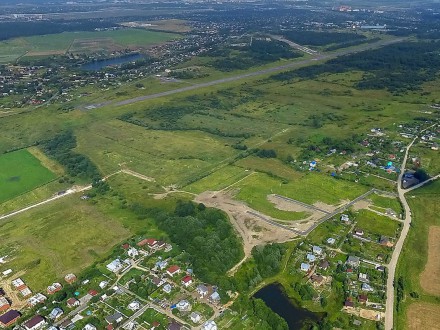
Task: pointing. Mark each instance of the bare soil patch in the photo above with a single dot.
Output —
(362, 204)
(430, 277)
(252, 230)
(422, 316)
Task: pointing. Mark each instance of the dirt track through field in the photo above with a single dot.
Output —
(423, 316)
(430, 277)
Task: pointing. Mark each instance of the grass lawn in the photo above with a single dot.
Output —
(21, 172)
(65, 236)
(376, 224)
(218, 180)
(331, 228)
(425, 207)
(386, 202)
(308, 188)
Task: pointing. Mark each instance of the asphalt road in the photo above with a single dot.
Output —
(293, 65)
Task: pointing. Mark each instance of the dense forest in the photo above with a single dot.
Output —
(60, 148)
(10, 30)
(205, 234)
(321, 38)
(257, 53)
(397, 68)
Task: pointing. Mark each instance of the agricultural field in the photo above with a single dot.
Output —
(419, 296)
(20, 172)
(80, 42)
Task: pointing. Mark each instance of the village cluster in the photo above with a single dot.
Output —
(361, 273)
(145, 286)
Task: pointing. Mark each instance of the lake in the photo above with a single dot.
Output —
(100, 64)
(275, 298)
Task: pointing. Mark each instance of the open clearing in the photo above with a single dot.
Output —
(57, 238)
(252, 230)
(422, 316)
(20, 172)
(430, 277)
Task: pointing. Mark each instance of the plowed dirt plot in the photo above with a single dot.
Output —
(423, 316)
(430, 278)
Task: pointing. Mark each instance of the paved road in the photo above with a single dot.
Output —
(246, 75)
(389, 306)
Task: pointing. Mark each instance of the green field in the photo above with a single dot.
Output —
(21, 172)
(425, 208)
(376, 224)
(60, 43)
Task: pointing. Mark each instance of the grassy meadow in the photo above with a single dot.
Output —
(21, 172)
(425, 206)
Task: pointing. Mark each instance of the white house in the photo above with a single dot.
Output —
(317, 250)
(311, 257)
(56, 313)
(215, 297)
(305, 267)
(89, 326)
(209, 325)
(345, 218)
(331, 241)
(115, 266)
(202, 290)
(187, 281)
(103, 284)
(195, 317)
(183, 305)
(132, 252)
(134, 306)
(167, 288)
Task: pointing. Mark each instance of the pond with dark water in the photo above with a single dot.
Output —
(101, 64)
(276, 299)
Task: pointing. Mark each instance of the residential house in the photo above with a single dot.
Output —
(173, 270)
(4, 304)
(114, 318)
(209, 325)
(72, 302)
(35, 323)
(132, 252)
(366, 287)
(56, 313)
(385, 241)
(55, 287)
(348, 304)
(9, 318)
(167, 288)
(187, 281)
(317, 250)
(150, 242)
(359, 232)
(345, 218)
(363, 298)
(162, 264)
(115, 266)
(202, 290)
(18, 284)
(363, 278)
(134, 306)
(317, 279)
(195, 317)
(103, 284)
(311, 257)
(36, 299)
(353, 261)
(70, 278)
(305, 267)
(95, 293)
(174, 326)
(215, 297)
(67, 324)
(331, 241)
(89, 326)
(157, 281)
(183, 305)
(324, 265)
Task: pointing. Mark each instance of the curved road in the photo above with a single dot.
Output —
(389, 306)
(293, 65)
